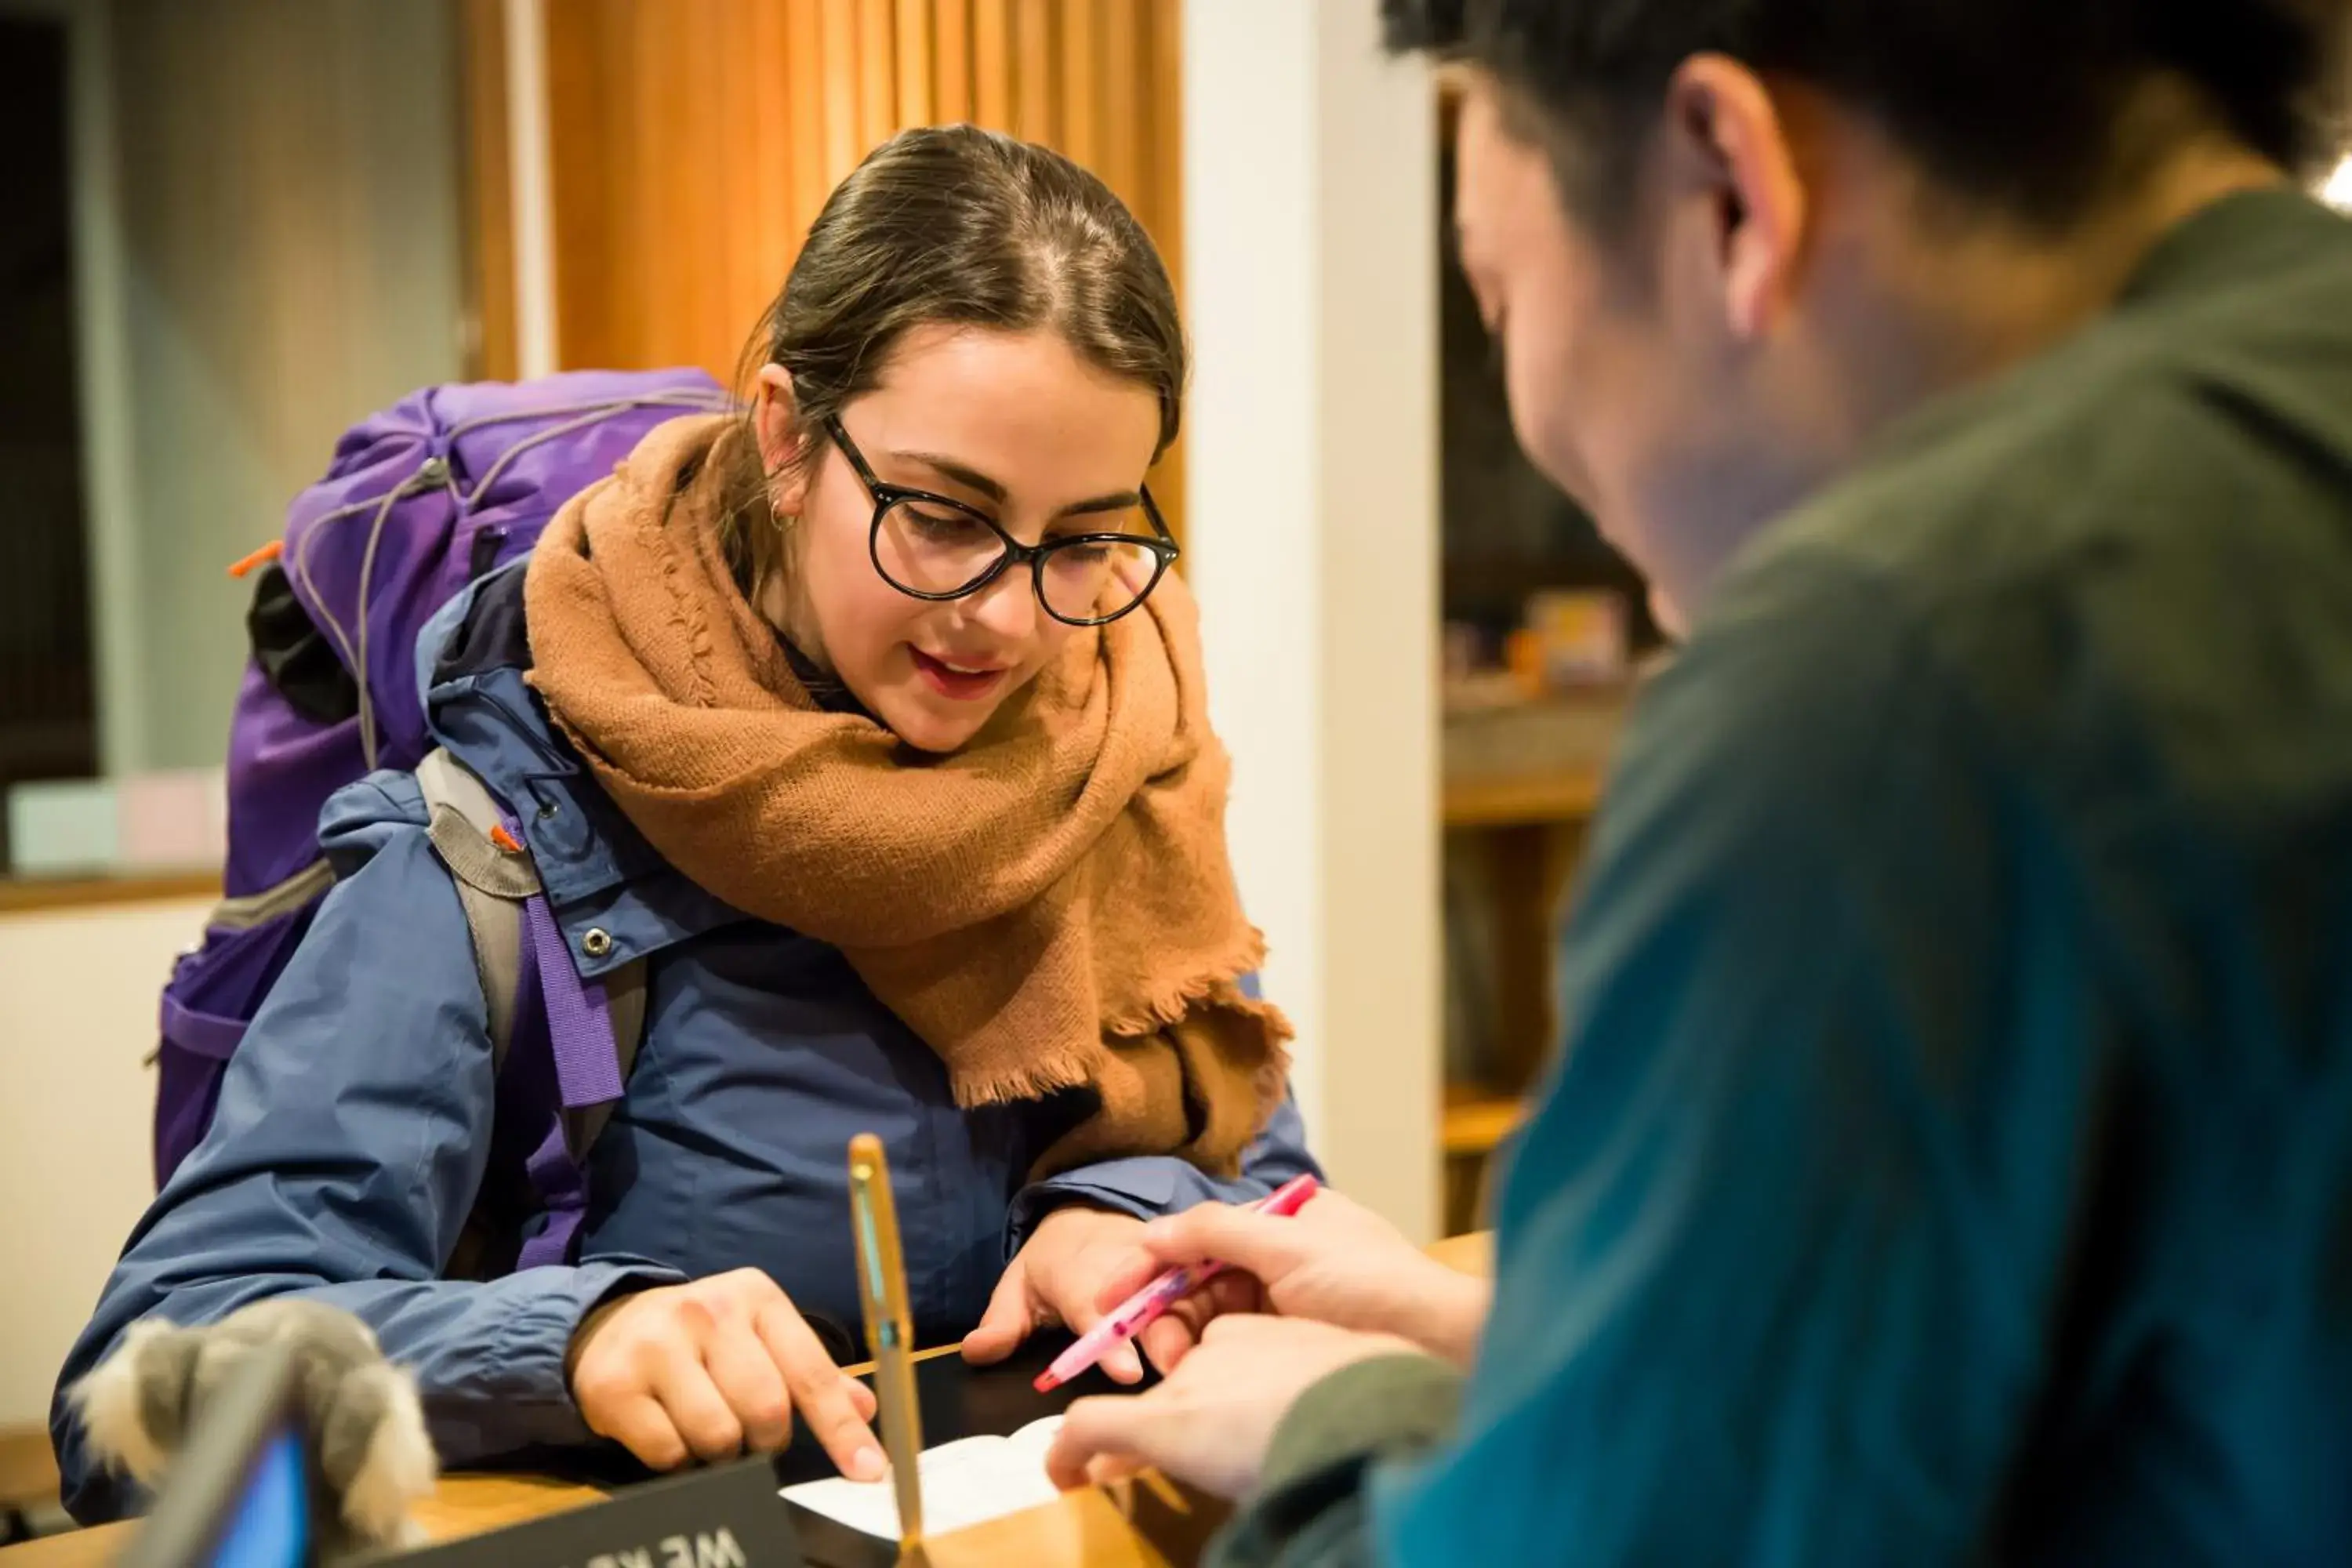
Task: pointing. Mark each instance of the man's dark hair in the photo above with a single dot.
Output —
(2012, 103)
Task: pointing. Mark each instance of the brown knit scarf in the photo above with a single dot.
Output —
(1051, 907)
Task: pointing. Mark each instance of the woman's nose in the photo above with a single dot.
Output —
(1007, 607)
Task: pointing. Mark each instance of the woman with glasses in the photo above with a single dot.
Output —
(871, 717)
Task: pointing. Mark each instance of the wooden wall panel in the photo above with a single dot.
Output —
(1120, 101)
(489, 195)
(695, 140)
(952, 60)
(804, 103)
(913, 42)
(878, 86)
(1079, 120)
(1032, 70)
(1161, 83)
(836, 87)
(991, 63)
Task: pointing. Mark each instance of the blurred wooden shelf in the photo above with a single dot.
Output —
(1530, 764)
(28, 1470)
(21, 895)
(1526, 800)
(1477, 1120)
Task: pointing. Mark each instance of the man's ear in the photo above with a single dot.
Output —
(775, 418)
(1729, 131)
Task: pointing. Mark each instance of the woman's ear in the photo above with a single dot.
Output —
(775, 416)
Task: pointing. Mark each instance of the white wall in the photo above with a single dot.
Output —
(78, 994)
(1310, 281)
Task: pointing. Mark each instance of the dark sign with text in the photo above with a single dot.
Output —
(724, 1517)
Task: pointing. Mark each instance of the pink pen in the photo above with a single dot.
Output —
(1143, 1308)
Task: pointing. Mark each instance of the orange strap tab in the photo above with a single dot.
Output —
(258, 559)
(505, 840)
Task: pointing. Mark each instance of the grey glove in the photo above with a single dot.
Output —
(369, 1446)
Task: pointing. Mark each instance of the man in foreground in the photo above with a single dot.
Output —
(1951, 1157)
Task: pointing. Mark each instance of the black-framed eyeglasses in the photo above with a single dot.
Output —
(933, 547)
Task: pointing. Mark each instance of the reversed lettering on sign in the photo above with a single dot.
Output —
(717, 1550)
(631, 1557)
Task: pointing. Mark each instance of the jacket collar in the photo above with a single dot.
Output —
(473, 664)
(2239, 241)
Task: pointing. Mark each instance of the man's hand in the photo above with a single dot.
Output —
(1213, 1420)
(707, 1370)
(1334, 1260)
(1057, 1278)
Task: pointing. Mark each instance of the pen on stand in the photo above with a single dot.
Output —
(1146, 1307)
(890, 1331)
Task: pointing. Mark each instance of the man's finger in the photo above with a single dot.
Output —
(825, 1405)
(1123, 1361)
(1127, 1280)
(1268, 1246)
(1110, 1469)
(1006, 1323)
(748, 1379)
(1116, 1427)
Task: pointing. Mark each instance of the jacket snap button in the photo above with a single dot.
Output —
(596, 943)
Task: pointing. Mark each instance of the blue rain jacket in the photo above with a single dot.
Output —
(355, 1123)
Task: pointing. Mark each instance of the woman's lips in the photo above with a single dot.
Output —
(957, 681)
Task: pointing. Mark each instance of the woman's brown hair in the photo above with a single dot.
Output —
(960, 227)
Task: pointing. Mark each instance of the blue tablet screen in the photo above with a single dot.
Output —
(269, 1527)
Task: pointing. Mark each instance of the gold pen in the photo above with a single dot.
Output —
(889, 1330)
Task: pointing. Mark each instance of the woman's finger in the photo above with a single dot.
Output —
(1167, 1341)
(1140, 1269)
(1007, 1321)
(747, 1378)
(692, 1401)
(1172, 1339)
(1123, 1363)
(825, 1406)
(640, 1425)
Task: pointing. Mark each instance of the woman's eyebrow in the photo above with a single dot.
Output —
(1118, 500)
(973, 479)
(949, 469)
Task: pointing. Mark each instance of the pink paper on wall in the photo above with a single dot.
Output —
(178, 818)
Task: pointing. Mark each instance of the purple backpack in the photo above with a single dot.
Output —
(421, 500)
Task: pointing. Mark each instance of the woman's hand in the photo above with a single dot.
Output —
(1213, 1420)
(1058, 1277)
(707, 1370)
(1334, 1260)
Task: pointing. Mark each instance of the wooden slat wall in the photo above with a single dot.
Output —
(694, 141)
(489, 195)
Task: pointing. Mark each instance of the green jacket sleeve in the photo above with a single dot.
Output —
(1311, 1502)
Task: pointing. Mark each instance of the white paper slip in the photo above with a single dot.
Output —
(966, 1482)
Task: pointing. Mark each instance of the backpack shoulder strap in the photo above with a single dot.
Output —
(624, 1004)
(492, 882)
